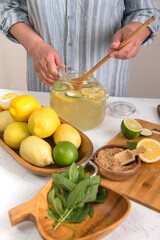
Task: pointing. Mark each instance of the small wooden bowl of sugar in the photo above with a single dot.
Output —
(112, 169)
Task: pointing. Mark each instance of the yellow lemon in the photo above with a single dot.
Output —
(152, 147)
(66, 132)
(5, 120)
(22, 106)
(94, 92)
(36, 151)
(15, 133)
(43, 122)
(6, 99)
(63, 97)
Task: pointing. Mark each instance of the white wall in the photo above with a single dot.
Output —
(144, 75)
(145, 72)
(12, 65)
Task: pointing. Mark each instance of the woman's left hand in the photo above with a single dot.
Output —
(131, 49)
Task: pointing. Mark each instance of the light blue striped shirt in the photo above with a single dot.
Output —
(80, 31)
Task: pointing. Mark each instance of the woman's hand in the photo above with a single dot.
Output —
(131, 49)
(46, 60)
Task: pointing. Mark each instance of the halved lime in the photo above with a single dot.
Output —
(58, 86)
(73, 94)
(131, 128)
(146, 132)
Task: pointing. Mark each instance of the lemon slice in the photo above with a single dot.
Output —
(6, 99)
(146, 132)
(152, 147)
(73, 94)
(69, 85)
(130, 128)
(93, 92)
(60, 95)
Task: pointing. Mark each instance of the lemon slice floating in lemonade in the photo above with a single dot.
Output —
(61, 95)
(94, 92)
(152, 147)
(6, 99)
(130, 128)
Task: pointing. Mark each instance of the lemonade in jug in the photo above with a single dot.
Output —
(82, 104)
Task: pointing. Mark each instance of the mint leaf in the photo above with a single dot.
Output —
(58, 206)
(73, 173)
(81, 174)
(131, 145)
(51, 195)
(53, 215)
(63, 182)
(91, 211)
(101, 196)
(79, 214)
(76, 196)
(90, 194)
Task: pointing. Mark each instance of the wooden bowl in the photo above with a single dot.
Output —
(84, 153)
(116, 175)
(107, 216)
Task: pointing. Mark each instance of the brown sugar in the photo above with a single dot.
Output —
(106, 159)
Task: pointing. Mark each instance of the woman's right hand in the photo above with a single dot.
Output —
(46, 60)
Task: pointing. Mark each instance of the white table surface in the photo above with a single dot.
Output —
(18, 185)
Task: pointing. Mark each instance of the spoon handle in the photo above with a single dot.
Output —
(127, 40)
(132, 154)
(137, 151)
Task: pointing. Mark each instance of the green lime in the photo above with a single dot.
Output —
(73, 94)
(146, 132)
(58, 86)
(65, 153)
(130, 128)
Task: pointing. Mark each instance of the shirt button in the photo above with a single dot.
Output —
(70, 44)
(69, 68)
(70, 17)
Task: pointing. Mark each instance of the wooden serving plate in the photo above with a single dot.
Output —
(84, 153)
(107, 216)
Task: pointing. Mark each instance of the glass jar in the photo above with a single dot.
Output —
(82, 104)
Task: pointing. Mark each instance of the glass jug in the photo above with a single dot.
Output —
(81, 104)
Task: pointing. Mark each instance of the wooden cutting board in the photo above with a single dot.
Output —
(144, 187)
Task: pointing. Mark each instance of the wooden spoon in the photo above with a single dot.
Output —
(107, 216)
(128, 156)
(85, 76)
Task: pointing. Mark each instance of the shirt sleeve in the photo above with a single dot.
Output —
(141, 11)
(12, 12)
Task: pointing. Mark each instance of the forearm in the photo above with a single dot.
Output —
(26, 35)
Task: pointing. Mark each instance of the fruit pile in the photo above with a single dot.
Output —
(131, 129)
(26, 125)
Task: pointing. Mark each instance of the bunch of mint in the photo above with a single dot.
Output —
(71, 194)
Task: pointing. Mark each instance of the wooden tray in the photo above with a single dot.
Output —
(144, 187)
(84, 153)
(107, 216)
